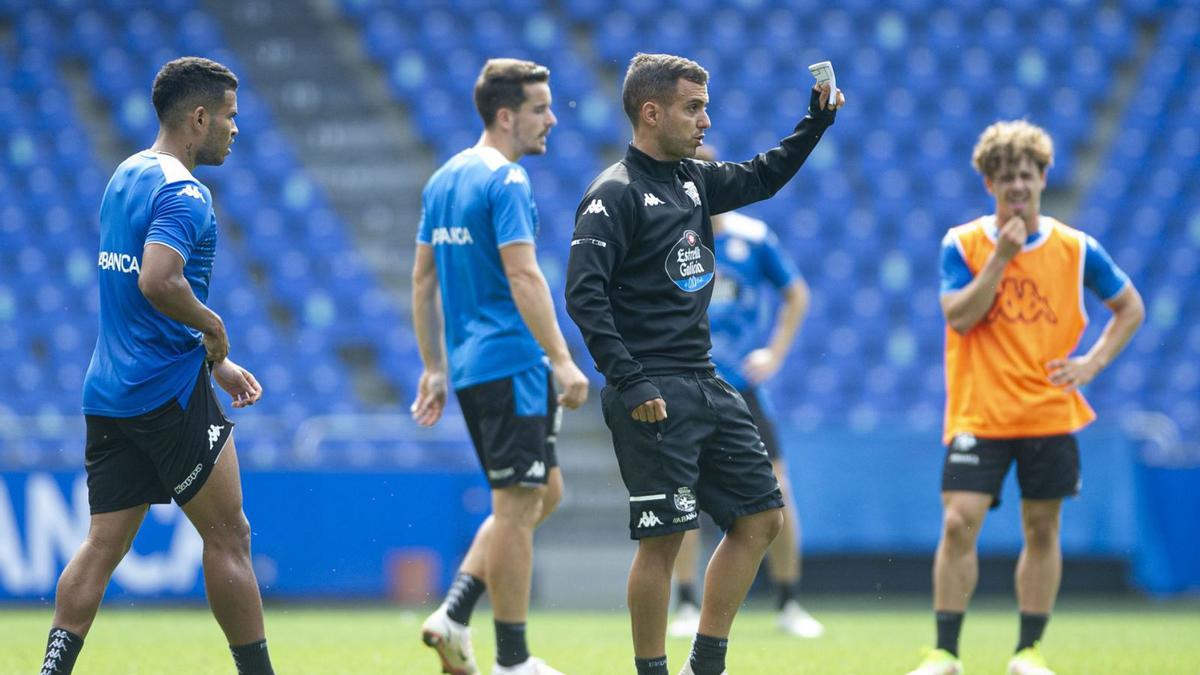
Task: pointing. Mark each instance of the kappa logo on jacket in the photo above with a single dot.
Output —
(596, 206)
(650, 199)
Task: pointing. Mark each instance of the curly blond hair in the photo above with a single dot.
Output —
(1005, 142)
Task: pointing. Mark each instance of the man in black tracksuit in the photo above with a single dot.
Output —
(639, 280)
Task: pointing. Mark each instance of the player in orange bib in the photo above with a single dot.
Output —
(1012, 294)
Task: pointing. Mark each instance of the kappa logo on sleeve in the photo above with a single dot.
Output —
(515, 175)
(193, 192)
(596, 206)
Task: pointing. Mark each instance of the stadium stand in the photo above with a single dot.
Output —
(288, 280)
(869, 209)
(866, 213)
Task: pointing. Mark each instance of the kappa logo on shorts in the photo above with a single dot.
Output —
(536, 470)
(214, 434)
(649, 519)
(187, 482)
(964, 442)
(685, 499)
(960, 450)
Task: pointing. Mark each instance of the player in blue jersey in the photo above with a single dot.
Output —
(475, 253)
(748, 348)
(155, 430)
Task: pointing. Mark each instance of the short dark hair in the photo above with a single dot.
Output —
(501, 84)
(653, 77)
(187, 82)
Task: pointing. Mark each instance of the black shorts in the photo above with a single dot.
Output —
(707, 454)
(514, 424)
(165, 454)
(1047, 466)
(760, 409)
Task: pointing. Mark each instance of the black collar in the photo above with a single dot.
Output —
(655, 169)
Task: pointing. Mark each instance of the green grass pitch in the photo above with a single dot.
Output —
(1085, 637)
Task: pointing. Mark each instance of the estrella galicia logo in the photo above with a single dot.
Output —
(690, 264)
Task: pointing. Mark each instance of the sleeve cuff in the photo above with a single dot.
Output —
(638, 393)
(823, 117)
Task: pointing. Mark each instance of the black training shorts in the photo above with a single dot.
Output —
(514, 424)
(759, 405)
(706, 455)
(164, 454)
(1047, 466)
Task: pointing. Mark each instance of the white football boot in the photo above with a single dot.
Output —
(452, 642)
(793, 619)
(686, 622)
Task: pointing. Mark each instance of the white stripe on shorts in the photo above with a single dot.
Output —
(647, 498)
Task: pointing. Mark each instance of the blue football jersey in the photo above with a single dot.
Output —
(475, 204)
(143, 359)
(751, 269)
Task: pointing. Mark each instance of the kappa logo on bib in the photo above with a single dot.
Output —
(690, 264)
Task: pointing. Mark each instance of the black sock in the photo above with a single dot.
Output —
(949, 625)
(708, 654)
(463, 594)
(1032, 627)
(252, 659)
(62, 648)
(656, 666)
(788, 591)
(685, 594)
(510, 644)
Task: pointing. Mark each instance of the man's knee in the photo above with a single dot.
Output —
(553, 495)
(109, 543)
(760, 528)
(660, 552)
(519, 504)
(959, 527)
(1041, 531)
(231, 534)
(111, 547)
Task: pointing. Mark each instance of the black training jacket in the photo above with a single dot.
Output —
(639, 275)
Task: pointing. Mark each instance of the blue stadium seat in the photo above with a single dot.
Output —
(895, 153)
